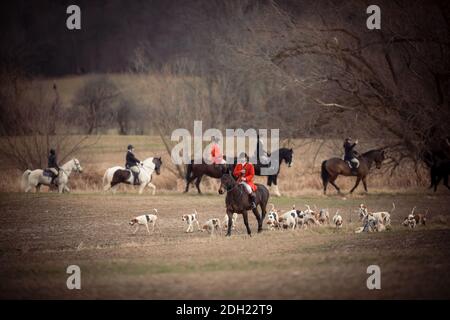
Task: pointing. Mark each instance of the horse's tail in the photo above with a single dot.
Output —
(104, 177)
(24, 181)
(324, 173)
(188, 171)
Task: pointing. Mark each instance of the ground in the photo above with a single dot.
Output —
(42, 234)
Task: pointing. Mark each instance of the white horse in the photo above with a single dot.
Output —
(147, 167)
(36, 177)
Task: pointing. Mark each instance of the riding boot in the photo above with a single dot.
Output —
(136, 178)
(253, 200)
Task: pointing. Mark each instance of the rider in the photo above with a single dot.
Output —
(216, 154)
(350, 154)
(244, 172)
(132, 163)
(53, 165)
(261, 152)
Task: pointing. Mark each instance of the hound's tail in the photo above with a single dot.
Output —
(24, 181)
(393, 207)
(324, 173)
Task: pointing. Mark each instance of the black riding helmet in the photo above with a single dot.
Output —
(52, 151)
(130, 146)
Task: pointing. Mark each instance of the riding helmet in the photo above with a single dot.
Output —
(130, 147)
(52, 151)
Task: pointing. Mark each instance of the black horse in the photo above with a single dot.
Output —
(438, 171)
(237, 200)
(284, 154)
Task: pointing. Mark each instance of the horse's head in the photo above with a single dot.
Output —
(77, 166)
(287, 155)
(158, 164)
(226, 183)
(380, 156)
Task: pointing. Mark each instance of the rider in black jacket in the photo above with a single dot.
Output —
(52, 164)
(132, 163)
(350, 154)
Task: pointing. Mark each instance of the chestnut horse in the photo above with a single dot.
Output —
(334, 167)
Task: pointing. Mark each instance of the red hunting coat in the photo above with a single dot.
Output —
(247, 176)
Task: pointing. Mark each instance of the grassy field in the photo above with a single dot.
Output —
(41, 234)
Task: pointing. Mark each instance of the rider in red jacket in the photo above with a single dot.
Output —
(245, 172)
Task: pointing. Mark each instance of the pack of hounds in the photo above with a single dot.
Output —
(377, 221)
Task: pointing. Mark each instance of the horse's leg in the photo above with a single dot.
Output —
(358, 179)
(365, 183)
(436, 182)
(331, 180)
(60, 188)
(151, 185)
(274, 181)
(188, 182)
(245, 214)
(66, 188)
(258, 218)
(141, 188)
(38, 188)
(197, 183)
(230, 222)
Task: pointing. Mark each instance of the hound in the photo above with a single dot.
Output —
(371, 224)
(337, 220)
(273, 218)
(363, 212)
(190, 219)
(145, 220)
(410, 221)
(323, 216)
(305, 218)
(212, 225)
(417, 217)
(383, 216)
(289, 219)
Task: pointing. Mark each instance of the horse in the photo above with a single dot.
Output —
(438, 171)
(237, 200)
(333, 167)
(115, 175)
(36, 178)
(284, 154)
(198, 170)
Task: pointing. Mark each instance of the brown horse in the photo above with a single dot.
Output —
(237, 200)
(197, 171)
(333, 167)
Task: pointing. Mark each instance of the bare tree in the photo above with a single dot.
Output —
(94, 103)
(32, 123)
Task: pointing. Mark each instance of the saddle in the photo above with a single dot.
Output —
(134, 175)
(48, 173)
